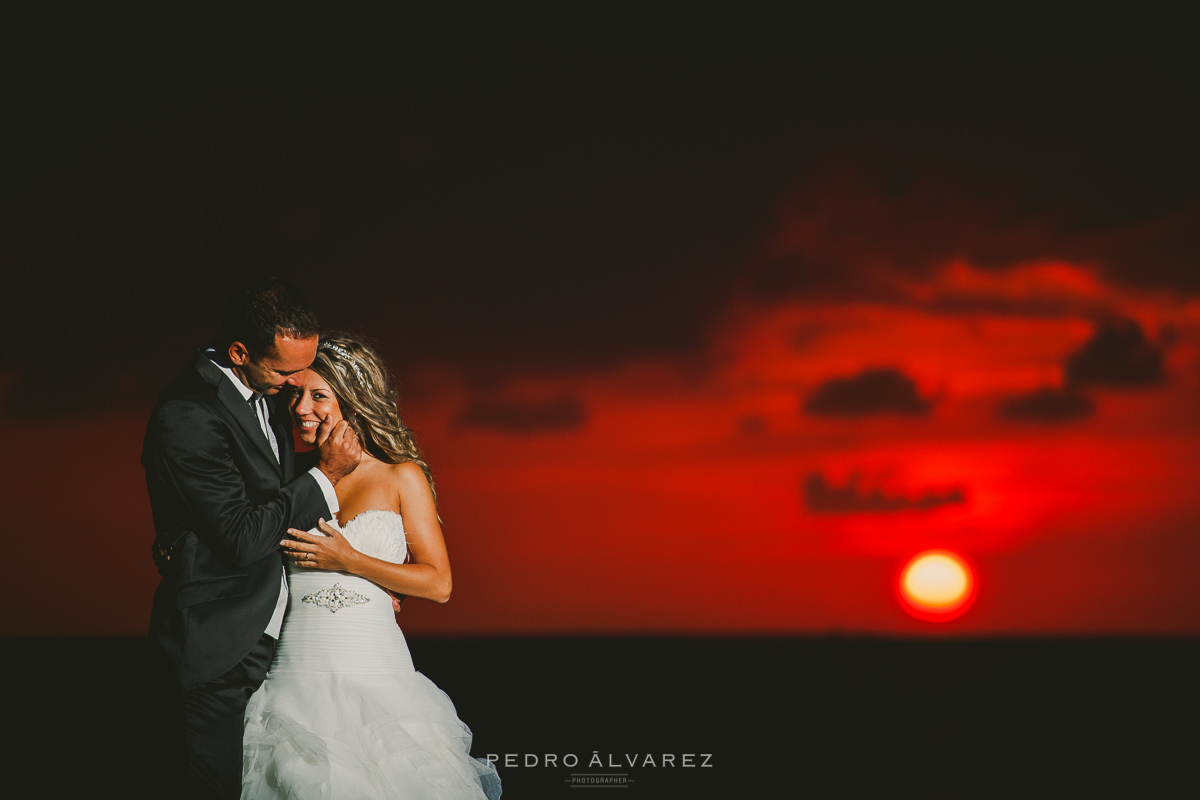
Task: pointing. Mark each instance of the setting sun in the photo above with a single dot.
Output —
(936, 585)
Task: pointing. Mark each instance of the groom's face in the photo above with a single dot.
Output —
(283, 365)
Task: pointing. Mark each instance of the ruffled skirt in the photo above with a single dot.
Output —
(346, 736)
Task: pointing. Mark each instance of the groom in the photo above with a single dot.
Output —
(219, 467)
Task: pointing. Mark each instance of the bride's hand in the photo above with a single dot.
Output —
(331, 552)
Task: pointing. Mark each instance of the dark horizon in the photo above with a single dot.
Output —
(830, 716)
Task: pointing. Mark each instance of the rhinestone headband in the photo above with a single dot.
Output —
(344, 353)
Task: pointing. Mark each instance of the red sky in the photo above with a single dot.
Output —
(669, 495)
(705, 340)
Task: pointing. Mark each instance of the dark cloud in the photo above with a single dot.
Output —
(1048, 405)
(562, 414)
(822, 497)
(874, 391)
(1118, 356)
(907, 200)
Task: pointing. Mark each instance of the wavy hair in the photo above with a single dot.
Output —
(359, 380)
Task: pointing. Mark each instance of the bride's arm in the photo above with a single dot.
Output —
(427, 576)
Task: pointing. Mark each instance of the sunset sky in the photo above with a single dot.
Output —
(696, 340)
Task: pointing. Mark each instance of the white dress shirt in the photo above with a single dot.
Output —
(263, 413)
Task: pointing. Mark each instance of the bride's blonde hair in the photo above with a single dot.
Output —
(360, 382)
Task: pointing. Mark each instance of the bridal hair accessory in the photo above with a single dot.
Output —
(344, 353)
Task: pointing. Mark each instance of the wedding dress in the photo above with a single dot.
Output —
(342, 713)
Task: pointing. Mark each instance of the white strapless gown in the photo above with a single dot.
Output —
(343, 714)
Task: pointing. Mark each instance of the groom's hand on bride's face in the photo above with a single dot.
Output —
(340, 448)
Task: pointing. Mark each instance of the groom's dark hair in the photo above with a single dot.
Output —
(264, 309)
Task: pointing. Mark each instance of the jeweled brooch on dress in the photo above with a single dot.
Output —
(335, 598)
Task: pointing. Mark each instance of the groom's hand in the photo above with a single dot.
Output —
(397, 599)
(340, 449)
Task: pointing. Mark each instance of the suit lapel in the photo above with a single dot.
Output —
(239, 408)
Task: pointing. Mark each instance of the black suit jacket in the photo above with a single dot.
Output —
(221, 503)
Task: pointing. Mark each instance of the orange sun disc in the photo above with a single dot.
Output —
(937, 585)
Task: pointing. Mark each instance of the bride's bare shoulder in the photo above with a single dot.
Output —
(408, 478)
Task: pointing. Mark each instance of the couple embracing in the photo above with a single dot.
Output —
(275, 611)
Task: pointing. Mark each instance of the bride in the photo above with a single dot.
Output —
(342, 712)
